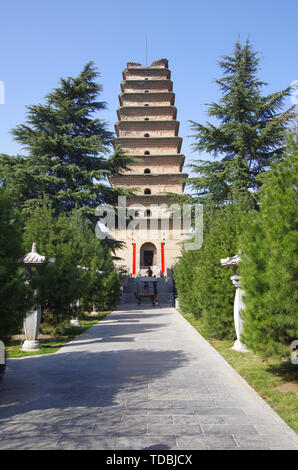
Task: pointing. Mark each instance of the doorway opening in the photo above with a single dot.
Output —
(147, 255)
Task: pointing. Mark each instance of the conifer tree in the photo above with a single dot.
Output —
(249, 133)
(101, 280)
(204, 287)
(59, 285)
(269, 267)
(83, 269)
(185, 271)
(14, 296)
(67, 150)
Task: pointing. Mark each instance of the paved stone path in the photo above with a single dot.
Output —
(141, 379)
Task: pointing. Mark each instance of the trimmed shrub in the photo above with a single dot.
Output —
(269, 267)
(204, 286)
(14, 295)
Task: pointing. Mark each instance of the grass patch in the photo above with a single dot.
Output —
(51, 343)
(276, 381)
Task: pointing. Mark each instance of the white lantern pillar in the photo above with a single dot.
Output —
(31, 321)
(31, 324)
(238, 303)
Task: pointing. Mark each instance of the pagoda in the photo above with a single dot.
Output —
(147, 130)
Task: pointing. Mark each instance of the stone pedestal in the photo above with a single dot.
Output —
(31, 328)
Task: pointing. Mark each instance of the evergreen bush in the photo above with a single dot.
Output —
(14, 295)
(72, 242)
(210, 292)
(269, 267)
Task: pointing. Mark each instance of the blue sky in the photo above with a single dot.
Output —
(42, 41)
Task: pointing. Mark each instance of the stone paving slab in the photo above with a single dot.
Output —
(141, 379)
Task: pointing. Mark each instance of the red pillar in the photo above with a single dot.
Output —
(162, 246)
(134, 253)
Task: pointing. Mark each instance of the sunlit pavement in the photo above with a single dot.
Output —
(143, 378)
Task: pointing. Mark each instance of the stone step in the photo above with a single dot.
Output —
(163, 285)
(128, 298)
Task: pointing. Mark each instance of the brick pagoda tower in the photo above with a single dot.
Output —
(147, 130)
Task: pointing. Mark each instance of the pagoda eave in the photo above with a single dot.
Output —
(148, 178)
(160, 158)
(150, 199)
(147, 111)
(147, 72)
(137, 84)
(148, 142)
(142, 97)
(167, 125)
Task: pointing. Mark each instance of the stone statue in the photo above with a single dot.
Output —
(238, 302)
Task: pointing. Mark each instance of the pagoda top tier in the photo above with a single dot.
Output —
(158, 70)
(160, 64)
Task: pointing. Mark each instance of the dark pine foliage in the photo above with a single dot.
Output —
(248, 134)
(269, 246)
(67, 148)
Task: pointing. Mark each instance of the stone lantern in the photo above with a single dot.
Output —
(31, 321)
(238, 302)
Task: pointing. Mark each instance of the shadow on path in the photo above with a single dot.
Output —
(89, 375)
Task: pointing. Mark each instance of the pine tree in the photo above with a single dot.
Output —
(72, 242)
(249, 134)
(204, 287)
(67, 150)
(14, 295)
(269, 268)
(59, 285)
(101, 280)
(185, 272)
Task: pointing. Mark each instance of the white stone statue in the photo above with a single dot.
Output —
(238, 302)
